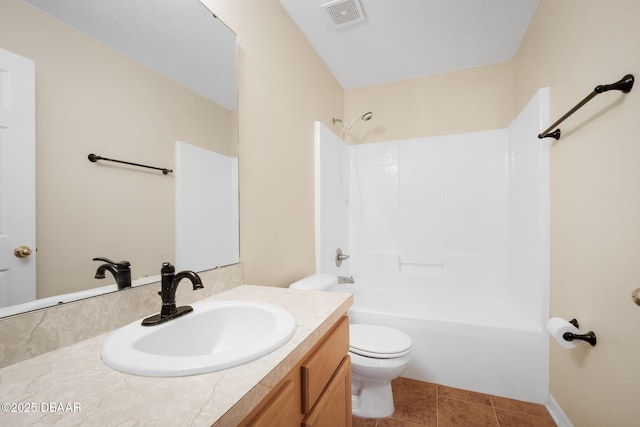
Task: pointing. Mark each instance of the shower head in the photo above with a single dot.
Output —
(365, 118)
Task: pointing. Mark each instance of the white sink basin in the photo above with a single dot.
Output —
(216, 335)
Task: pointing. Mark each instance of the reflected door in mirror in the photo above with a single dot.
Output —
(17, 179)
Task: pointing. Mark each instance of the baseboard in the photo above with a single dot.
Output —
(556, 412)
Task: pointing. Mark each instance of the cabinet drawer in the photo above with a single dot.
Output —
(317, 369)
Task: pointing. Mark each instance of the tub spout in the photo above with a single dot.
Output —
(344, 279)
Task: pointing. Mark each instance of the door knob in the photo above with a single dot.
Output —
(635, 296)
(22, 251)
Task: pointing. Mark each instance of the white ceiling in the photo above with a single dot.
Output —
(399, 40)
(178, 39)
(403, 39)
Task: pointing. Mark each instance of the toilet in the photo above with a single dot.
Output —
(379, 354)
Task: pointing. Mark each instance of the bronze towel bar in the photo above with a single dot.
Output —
(625, 84)
(94, 158)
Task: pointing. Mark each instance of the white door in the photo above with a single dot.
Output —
(17, 180)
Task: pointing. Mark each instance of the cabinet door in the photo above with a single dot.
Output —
(281, 410)
(318, 369)
(333, 408)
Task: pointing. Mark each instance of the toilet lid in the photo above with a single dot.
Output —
(378, 341)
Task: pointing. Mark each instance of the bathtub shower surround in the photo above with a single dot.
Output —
(448, 238)
(207, 236)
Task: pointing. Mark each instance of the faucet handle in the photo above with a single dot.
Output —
(167, 268)
(340, 257)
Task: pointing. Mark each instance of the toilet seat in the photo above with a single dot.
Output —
(378, 341)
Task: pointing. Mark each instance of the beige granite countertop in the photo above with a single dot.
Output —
(72, 386)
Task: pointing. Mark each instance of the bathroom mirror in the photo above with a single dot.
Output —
(123, 80)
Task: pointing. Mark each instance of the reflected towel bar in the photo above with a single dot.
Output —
(94, 158)
(624, 84)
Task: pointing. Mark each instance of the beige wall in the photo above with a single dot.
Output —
(90, 99)
(572, 46)
(284, 88)
(468, 100)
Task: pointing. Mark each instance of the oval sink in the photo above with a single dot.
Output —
(216, 335)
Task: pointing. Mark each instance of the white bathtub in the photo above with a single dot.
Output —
(488, 345)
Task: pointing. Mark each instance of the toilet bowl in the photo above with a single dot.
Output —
(379, 354)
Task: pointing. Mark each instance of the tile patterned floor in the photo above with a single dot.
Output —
(420, 404)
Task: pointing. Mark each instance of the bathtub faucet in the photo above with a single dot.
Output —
(344, 279)
(340, 257)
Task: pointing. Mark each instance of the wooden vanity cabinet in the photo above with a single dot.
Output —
(316, 392)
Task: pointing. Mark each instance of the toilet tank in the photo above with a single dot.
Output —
(316, 282)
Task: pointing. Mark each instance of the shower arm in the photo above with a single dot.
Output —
(344, 125)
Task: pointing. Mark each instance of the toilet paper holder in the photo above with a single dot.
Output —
(589, 337)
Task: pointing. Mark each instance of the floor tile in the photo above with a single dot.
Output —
(521, 419)
(392, 422)
(468, 396)
(452, 413)
(422, 404)
(519, 406)
(364, 422)
(415, 402)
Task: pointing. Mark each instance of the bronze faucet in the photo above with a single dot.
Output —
(170, 282)
(121, 271)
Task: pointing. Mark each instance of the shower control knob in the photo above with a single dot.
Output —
(635, 296)
(340, 257)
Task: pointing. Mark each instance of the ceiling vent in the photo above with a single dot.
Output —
(344, 12)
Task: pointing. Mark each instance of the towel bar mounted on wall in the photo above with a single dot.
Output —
(94, 158)
(624, 84)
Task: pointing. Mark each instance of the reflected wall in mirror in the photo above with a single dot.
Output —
(91, 98)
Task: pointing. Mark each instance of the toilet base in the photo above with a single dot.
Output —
(374, 399)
